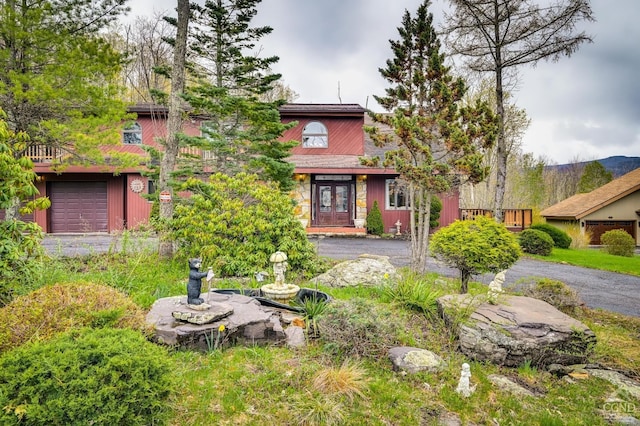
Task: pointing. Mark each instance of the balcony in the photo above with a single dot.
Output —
(514, 219)
(43, 153)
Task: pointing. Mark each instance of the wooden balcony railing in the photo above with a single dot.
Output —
(43, 153)
(514, 219)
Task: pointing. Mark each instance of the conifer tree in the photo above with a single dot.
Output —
(439, 142)
(241, 131)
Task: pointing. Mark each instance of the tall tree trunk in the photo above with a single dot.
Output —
(420, 207)
(501, 143)
(174, 123)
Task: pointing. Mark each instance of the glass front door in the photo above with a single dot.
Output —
(333, 204)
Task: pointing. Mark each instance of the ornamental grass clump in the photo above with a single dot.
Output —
(86, 376)
(50, 310)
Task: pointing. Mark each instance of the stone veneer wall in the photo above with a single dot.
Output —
(361, 197)
(302, 196)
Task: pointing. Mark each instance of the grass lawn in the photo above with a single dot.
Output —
(346, 379)
(595, 259)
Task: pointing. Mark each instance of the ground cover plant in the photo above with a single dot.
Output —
(343, 377)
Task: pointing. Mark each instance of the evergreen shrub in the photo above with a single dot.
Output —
(86, 376)
(375, 226)
(618, 242)
(535, 242)
(555, 293)
(53, 309)
(560, 238)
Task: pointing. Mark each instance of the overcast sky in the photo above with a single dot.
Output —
(581, 108)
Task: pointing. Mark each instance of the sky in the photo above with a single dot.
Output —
(583, 107)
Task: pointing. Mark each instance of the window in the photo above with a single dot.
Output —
(314, 135)
(132, 134)
(397, 195)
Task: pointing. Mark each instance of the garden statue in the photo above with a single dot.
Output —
(194, 286)
(278, 290)
(464, 387)
(495, 286)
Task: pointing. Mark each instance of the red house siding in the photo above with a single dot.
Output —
(138, 208)
(376, 191)
(345, 135)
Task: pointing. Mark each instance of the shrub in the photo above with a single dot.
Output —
(555, 293)
(86, 376)
(618, 242)
(357, 328)
(375, 225)
(535, 242)
(54, 309)
(234, 223)
(414, 292)
(560, 238)
(475, 246)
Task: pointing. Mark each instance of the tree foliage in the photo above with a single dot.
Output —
(59, 82)
(594, 175)
(438, 141)
(498, 37)
(475, 246)
(236, 222)
(375, 225)
(241, 131)
(19, 241)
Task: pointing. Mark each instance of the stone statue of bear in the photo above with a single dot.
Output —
(195, 282)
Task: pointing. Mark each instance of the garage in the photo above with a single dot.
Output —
(599, 227)
(78, 207)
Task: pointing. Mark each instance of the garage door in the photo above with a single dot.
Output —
(78, 207)
(599, 227)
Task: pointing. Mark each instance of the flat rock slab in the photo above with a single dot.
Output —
(212, 313)
(248, 323)
(517, 329)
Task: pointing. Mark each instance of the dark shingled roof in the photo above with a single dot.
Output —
(581, 205)
(326, 109)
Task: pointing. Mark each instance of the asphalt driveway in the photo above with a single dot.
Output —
(598, 289)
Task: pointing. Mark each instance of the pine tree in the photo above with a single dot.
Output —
(438, 140)
(241, 131)
(593, 176)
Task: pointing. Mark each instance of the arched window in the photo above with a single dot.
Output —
(314, 135)
(132, 134)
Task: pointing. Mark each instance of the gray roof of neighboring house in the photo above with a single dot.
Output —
(581, 205)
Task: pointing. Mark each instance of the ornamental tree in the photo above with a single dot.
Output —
(437, 142)
(475, 247)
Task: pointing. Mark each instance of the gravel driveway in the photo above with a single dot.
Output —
(598, 289)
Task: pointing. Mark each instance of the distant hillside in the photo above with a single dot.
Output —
(618, 165)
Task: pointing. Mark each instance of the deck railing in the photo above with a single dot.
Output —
(43, 153)
(514, 219)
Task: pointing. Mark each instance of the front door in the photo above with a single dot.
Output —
(333, 204)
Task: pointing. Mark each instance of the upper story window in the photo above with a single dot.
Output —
(132, 134)
(397, 195)
(315, 135)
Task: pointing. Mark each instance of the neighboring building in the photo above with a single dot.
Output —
(615, 205)
(333, 192)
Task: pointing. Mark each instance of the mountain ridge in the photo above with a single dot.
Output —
(618, 165)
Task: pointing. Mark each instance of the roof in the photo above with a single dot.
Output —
(321, 109)
(581, 205)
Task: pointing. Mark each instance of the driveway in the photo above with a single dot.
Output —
(598, 289)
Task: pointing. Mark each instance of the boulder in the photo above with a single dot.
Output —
(517, 329)
(413, 360)
(366, 270)
(245, 321)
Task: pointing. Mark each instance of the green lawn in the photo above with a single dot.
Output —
(595, 259)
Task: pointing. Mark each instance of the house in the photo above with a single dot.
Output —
(615, 205)
(333, 190)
